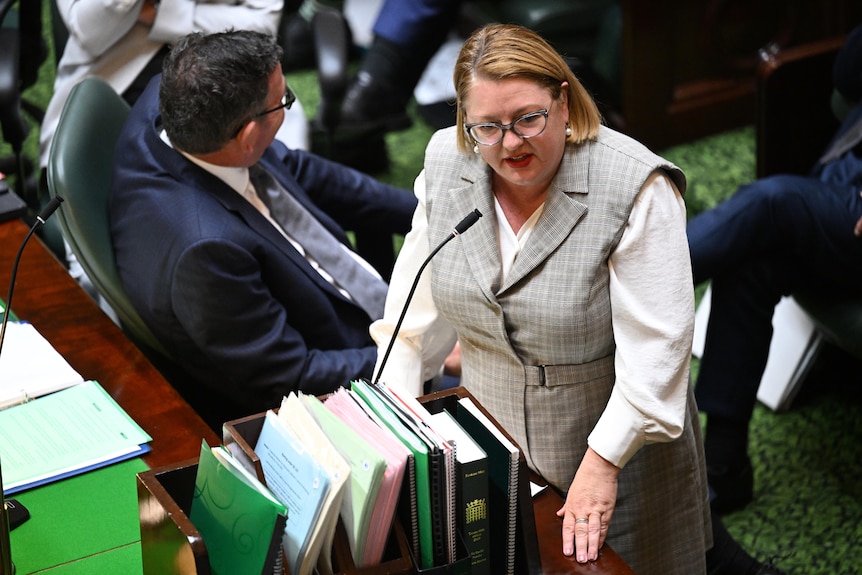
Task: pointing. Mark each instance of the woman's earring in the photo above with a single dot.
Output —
(475, 148)
(568, 131)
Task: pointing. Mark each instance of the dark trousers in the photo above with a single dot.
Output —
(774, 237)
(415, 22)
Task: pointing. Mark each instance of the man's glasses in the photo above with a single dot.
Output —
(490, 133)
(286, 102)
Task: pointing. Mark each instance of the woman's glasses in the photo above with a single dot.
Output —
(527, 126)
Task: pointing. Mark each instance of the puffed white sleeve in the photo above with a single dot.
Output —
(96, 25)
(652, 300)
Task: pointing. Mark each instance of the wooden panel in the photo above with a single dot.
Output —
(795, 121)
(689, 66)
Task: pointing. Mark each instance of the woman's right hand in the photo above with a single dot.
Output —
(589, 507)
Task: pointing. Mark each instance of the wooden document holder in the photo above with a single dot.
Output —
(241, 435)
(171, 545)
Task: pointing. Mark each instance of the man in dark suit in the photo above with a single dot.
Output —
(208, 247)
(774, 237)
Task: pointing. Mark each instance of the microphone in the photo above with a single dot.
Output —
(46, 212)
(6, 565)
(460, 228)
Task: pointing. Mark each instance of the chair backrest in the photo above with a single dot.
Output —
(794, 116)
(79, 170)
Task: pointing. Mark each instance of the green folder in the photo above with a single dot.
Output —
(240, 520)
(423, 473)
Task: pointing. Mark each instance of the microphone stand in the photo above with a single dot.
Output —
(462, 226)
(6, 565)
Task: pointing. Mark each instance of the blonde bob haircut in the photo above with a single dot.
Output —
(502, 51)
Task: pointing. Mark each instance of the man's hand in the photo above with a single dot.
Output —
(452, 364)
(148, 13)
(589, 507)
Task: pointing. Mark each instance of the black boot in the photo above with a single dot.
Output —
(732, 486)
(377, 97)
(371, 105)
(297, 40)
(727, 557)
(728, 468)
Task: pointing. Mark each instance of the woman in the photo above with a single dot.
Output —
(571, 300)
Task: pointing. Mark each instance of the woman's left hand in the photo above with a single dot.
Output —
(589, 507)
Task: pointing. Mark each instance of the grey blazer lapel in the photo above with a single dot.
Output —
(480, 241)
(562, 212)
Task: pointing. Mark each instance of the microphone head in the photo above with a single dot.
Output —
(468, 221)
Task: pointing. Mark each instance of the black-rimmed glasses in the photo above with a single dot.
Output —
(490, 133)
(287, 101)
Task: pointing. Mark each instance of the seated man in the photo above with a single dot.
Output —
(221, 233)
(774, 237)
(125, 42)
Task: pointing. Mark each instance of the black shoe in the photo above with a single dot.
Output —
(370, 106)
(297, 40)
(732, 487)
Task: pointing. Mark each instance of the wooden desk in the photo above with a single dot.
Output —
(46, 296)
(89, 522)
(549, 531)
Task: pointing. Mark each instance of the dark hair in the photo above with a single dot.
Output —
(501, 51)
(212, 84)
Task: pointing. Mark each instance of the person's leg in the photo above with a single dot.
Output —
(736, 347)
(785, 215)
(407, 34)
(727, 557)
(774, 237)
(297, 35)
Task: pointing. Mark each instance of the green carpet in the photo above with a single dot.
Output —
(807, 510)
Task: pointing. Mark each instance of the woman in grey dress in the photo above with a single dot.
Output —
(571, 300)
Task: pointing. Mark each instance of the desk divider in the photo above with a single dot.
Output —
(170, 543)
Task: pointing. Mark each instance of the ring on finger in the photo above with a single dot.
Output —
(581, 520)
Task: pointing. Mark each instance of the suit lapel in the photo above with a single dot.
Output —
(257, 223)
(480, 245)
(196, 177)
(562, 212)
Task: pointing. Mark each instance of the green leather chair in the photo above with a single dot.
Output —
(79, 170)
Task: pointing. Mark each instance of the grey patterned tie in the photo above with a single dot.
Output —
(366, 289)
